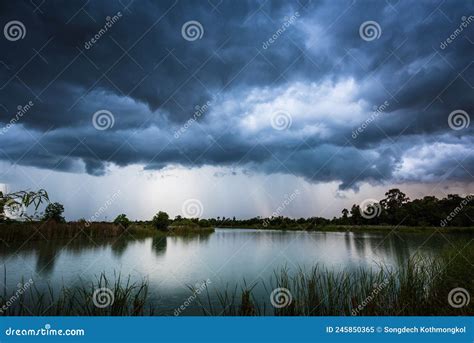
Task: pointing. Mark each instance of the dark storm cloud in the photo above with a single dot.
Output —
(151, 79)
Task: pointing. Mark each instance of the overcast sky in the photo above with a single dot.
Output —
(235, 105)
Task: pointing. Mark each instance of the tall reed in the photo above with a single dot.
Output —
(122, 297)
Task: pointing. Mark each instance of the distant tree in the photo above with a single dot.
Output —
(204, 223)
(345, 217)
(356, 217)
(301, 221)
(392, 205)
(161, 220)
(54, 212)
(398, 209)
(345, 212)
(394, 199)
(2, 204)
(122, 220)
(454, 197)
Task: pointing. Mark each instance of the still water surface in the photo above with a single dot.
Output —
(225, 257)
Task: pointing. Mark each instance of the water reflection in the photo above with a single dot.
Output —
(158, 245)
(46, 258)
(226, 257)
(46, 253)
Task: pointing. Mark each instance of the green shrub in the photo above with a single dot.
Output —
(54, 212)
(122, 220)
(184, 222)
(161, 221)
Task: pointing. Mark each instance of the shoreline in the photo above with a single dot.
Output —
(11, 232)
(361, 228)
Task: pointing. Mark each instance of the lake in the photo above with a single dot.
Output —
(226, 257)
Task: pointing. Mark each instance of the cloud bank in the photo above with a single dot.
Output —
(274, 87)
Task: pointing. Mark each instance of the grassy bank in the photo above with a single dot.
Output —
(420, 286)
(19, 231)
(358, 228)
(387, 228)
(188, 230)
(16, 231)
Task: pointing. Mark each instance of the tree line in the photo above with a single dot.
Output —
(394, 209)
